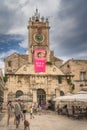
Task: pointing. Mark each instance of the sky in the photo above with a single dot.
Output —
(67, 19)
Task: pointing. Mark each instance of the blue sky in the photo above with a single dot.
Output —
(67, 18)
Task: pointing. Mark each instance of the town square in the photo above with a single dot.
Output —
(43, 69)
(48, 121)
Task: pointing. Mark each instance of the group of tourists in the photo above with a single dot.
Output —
(18, 111)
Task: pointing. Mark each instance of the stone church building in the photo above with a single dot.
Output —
(36, 74)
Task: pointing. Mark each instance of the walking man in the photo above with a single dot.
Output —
(18, 112)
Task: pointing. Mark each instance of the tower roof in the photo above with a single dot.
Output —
(36, 17)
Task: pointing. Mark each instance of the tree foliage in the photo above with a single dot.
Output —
(5, 78)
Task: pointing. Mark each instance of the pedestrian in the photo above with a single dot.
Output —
(18, 113)
(35, 108)
(40, 109)
(24, 109)
(9, 111)
(31, 112)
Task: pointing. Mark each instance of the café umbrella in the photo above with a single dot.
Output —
(64, 98)
(80, 96)
(24, 98)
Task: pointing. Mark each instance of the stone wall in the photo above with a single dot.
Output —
(13, 62)
(26, 84)
(74, 68)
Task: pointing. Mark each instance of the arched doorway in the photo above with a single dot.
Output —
(19, 93)
(41, 96)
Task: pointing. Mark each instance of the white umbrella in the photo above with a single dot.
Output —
(82, 92)
(24, 98)
(80, 96)
(64, 98)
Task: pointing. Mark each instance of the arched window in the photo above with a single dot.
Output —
(19, 93)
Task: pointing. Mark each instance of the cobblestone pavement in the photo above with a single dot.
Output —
(1, 116)
(49, 121)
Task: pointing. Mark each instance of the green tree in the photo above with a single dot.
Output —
(49, 63)
(69, 81)
(5, 78)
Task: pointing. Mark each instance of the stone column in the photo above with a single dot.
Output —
(34, 95)
(47, 94)
(57, 92)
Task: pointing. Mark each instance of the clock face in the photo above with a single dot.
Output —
(38, 37)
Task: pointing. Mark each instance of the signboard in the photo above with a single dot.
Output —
(39, 60)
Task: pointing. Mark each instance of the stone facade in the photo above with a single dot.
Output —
(14, 62)
(19, 69)
(25, 80)
(77, 68)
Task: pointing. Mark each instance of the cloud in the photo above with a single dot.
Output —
(69, 35)
(2, 65)
(14, 15)
(81, 55)
(5, 54)
(24, 42)
(11, 17)
(68, 21)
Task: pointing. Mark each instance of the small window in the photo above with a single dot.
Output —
(59, 79)
(9, 63)
(82, 75)
(61, 93)
(68, 66)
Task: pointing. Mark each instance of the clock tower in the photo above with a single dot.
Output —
(38, 35)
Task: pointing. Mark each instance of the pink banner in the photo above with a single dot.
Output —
(39, 60)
